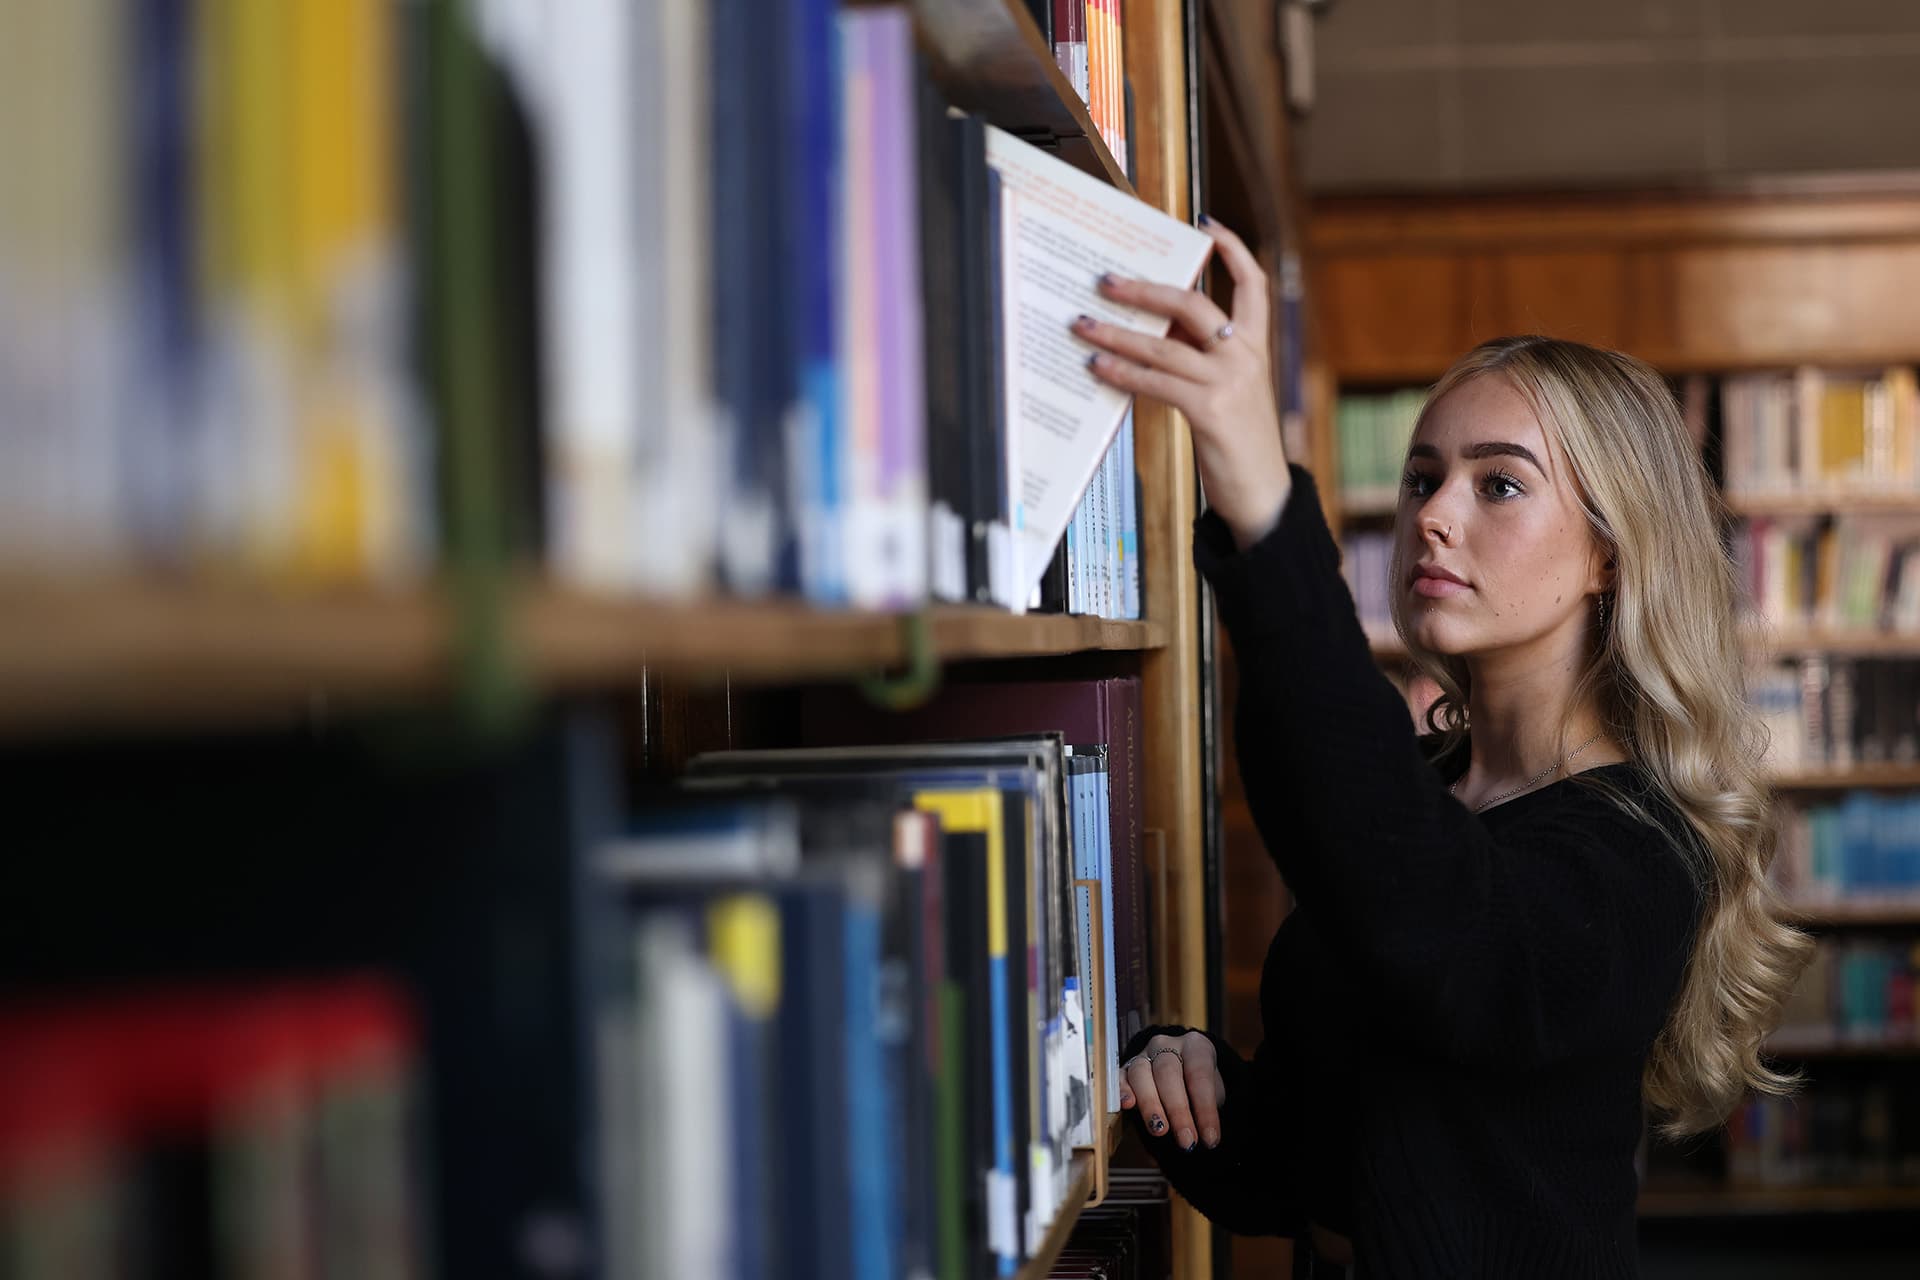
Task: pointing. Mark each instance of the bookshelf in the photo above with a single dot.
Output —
(993, 61)
(1862, 911)
(1713, 1202)
(166, 663)
(1768, 275)
(130, 650)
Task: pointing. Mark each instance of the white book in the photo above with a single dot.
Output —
(1060, 230)
(598, 356)
(689, 1111)
(676, 525)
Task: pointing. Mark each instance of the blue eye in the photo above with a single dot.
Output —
(1500, 486)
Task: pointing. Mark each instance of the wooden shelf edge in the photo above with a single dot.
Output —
(1853, 776)
(88, 651)
(1708, 1202)
(1837, 502)
(1817, 1044)
(1858, 911)
(992, 60)
(1079, 1187)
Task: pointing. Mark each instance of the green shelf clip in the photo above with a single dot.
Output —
(921, 680)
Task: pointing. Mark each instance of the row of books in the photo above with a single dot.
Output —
(1856, 573)
(1826, 1136)
(228, 1133)
(1827, 712)
(1812, 431)
(202, 333)
(1116, 1241)
(896, 951)
(645, 294)
(855, 379)
(1372, 431)
(1367, 563)
(1089, 45)
(1867, 845)
(1856, 992)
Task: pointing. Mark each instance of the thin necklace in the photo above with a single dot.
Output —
(1507, 795)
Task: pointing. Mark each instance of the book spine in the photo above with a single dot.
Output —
(873, 1161)
(899, 540)
(862, 273)
(810, 163)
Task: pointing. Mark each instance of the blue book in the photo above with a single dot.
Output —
(873, 1225)
(158, 454)
(811, 161)
(752, 375)
(814, 1099)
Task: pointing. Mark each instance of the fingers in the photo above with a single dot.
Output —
(1205, 1090)
(1190, 309)
(1249, 278)
(1138, 1080)
(1177, 358)
(1169, 1077)
(1142, 381)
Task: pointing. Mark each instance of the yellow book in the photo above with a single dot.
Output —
(980, 812)
(744, 938)
(342, 225)
(1843, 431)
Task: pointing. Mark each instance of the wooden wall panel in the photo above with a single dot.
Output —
(1384, 317)
(1698, 283)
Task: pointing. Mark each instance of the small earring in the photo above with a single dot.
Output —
(1605, 599)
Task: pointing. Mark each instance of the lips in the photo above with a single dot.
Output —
(1435, 583)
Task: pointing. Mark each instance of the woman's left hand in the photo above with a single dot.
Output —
(1214, 369)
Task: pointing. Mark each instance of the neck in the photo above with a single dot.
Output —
(1522, 708)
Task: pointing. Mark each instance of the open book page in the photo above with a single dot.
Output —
(1060, 229)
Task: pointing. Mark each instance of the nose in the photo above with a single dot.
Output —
(1439, 519)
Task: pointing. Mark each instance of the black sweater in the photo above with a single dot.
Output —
(1458, 1010)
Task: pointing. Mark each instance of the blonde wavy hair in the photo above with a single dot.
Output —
(1667, 677)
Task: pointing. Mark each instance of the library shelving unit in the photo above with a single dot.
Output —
(157, 660)
(1750, 276)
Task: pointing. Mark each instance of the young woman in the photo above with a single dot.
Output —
(1517, 934)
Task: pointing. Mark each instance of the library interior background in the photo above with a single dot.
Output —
(584, 694)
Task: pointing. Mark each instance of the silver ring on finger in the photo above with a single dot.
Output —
(1220, 335)
(1138, 1057)
(1158, 1052)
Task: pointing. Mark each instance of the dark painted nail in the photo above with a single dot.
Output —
(1093, 361)
(1108, 279)
(1205, 221)
(1158, 1125)
(1083, 322)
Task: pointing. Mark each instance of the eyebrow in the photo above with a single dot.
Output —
(1485, 449)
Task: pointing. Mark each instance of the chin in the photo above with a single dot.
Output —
(1436, 634)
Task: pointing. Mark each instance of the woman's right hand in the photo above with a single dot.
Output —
(1175, 1082)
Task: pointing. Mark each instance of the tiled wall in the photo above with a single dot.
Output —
(1504, 93)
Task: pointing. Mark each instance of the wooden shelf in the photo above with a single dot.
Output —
(1819, 1043)
(107, 650)
(993, 61)
(1859, 775)
(1713, 1202)
(1369, 504)
(1784, 641)
(1079, 1187)
(1857, 911)
(1836, 502)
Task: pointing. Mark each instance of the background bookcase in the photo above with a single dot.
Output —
(434, 705)
(1765, 276)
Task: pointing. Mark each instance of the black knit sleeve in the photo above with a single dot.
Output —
(1247, 1184)
(1563, 935)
